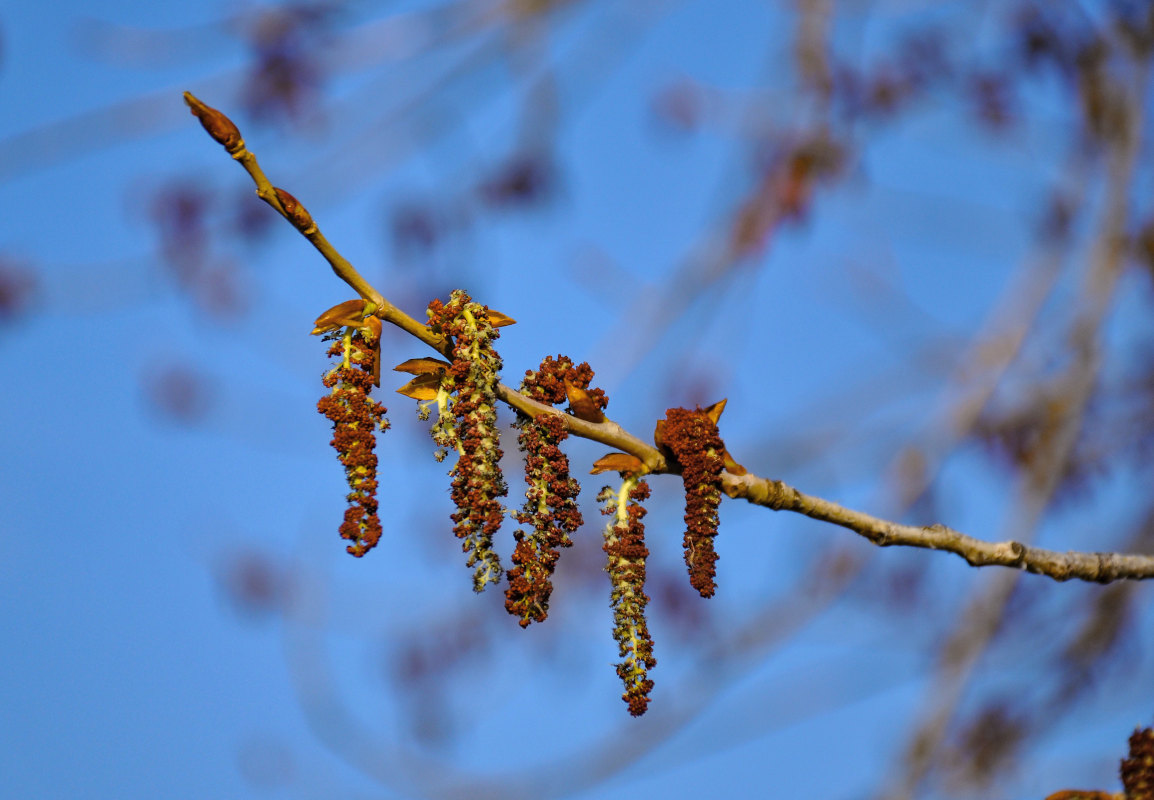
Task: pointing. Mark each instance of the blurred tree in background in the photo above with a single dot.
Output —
(911, 243)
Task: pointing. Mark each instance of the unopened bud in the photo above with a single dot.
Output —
(219, 126)
(298, 215)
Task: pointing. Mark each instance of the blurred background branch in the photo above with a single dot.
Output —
(933, 215)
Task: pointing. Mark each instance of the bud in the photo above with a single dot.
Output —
(582, 404)
(499, 320)
(219, 126)
(297, 214)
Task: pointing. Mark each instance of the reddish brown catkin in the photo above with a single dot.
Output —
(550, 507)
(697, 445)
(355, 417)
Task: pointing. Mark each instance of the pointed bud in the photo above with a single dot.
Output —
(219, 127)
(581, 404)
(297, 214)
(499, 320)
(714, 411)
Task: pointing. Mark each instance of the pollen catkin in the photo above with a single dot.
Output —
(356, 418)
(697, 445)
(550, 510)
(477, 481)
(551, 514)
(626, 552)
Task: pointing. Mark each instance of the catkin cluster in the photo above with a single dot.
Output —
(465, 391)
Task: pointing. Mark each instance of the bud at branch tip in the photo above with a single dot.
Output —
(219, 127)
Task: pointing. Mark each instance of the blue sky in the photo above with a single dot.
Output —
(130, 667)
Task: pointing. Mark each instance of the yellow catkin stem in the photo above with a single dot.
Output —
(444, 414)
(627, 486)
(542, 488)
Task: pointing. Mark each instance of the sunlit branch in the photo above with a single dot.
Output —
(1096, 567)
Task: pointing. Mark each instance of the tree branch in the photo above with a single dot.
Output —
(1095, 567)
(774, 494)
